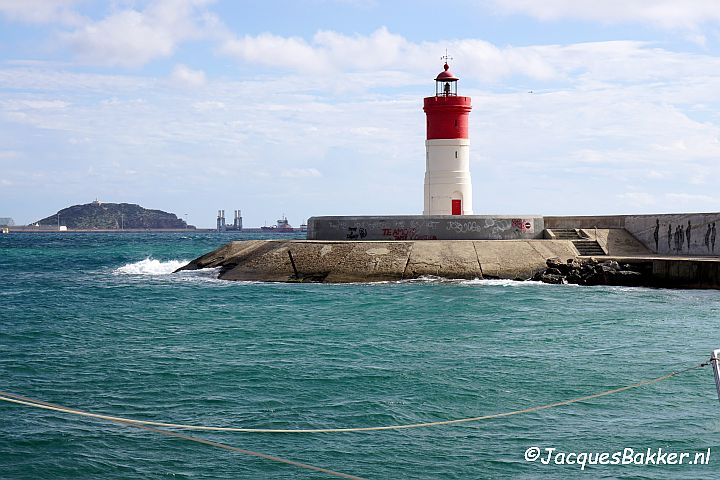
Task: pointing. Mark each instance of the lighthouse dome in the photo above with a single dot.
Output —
(446, 75)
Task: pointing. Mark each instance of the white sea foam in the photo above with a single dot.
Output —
(477, 281)
(502, 283)
(430, 279)
(151, 266)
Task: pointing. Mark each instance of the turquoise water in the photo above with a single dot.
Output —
(97, 322)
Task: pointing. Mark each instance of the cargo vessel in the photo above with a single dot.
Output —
(282, 226)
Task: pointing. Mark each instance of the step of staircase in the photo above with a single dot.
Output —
(565, 233)
(588, 248)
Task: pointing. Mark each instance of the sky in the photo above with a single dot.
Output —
(314, 107)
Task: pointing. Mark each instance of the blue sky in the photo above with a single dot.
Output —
(315, 107)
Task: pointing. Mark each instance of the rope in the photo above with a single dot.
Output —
(18, 399)
(150, 426)
(204, 441)
(224, 446)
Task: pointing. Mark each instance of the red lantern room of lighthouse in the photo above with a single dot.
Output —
(448, 189)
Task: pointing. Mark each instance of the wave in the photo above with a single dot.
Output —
(504, 283)
(476, 281)
(150, 266)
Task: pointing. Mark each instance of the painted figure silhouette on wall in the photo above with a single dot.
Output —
(669, 235)
(656, 234)
(707, 238)
(687, 234)
(712, 237)
(681, 238)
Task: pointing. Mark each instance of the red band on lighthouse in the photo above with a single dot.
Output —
(447, 117)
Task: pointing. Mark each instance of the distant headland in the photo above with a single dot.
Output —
(112, 216)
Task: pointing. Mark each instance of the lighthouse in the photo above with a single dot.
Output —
(448, 189)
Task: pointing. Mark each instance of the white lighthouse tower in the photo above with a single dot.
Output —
(448, 189)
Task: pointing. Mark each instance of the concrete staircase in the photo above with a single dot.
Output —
(584, 246)
(565, 233)
(588, 248)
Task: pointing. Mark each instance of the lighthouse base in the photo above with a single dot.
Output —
(422, 227)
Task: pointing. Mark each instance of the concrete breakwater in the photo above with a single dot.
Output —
(373, 261)
(370, 261)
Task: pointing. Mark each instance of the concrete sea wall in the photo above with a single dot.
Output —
(368, 261)
(372, 261)
(419, 227)
(680, 234)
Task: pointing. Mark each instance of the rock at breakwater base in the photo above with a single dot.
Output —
(373, 261)
(593, 272)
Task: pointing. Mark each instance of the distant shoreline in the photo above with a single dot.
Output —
(43, 229)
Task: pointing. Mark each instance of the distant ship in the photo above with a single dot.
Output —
(282, 227)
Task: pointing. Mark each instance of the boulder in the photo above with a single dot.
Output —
(552, 278)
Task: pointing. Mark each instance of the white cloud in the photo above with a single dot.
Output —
(46, 104)
(606, 117)
(382, 52)
(637, 198)
(78, 141)
(41, 11)
(384, 58)
(209, 106)
(275, 51)
(671, 14)
(690, 198)
(379, 50)
(131, 38)
(184, 75)
(697, 38)
(7, 154)
(300, 173)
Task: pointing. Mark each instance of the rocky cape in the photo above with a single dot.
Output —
(98, 215)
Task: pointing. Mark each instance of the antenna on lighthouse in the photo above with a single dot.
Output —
(446, 82)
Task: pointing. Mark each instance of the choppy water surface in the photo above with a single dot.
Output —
(98, 322)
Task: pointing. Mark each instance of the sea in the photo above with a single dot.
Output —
(99, 322)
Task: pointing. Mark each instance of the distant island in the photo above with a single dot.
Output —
(104, 216)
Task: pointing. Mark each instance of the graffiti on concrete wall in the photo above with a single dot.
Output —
(355, 233)
(523, 225)
(495, 227)
(677, 234)
(424, 228)
(680, 238)
(405, 234)
(710, 235)
(464, 227)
